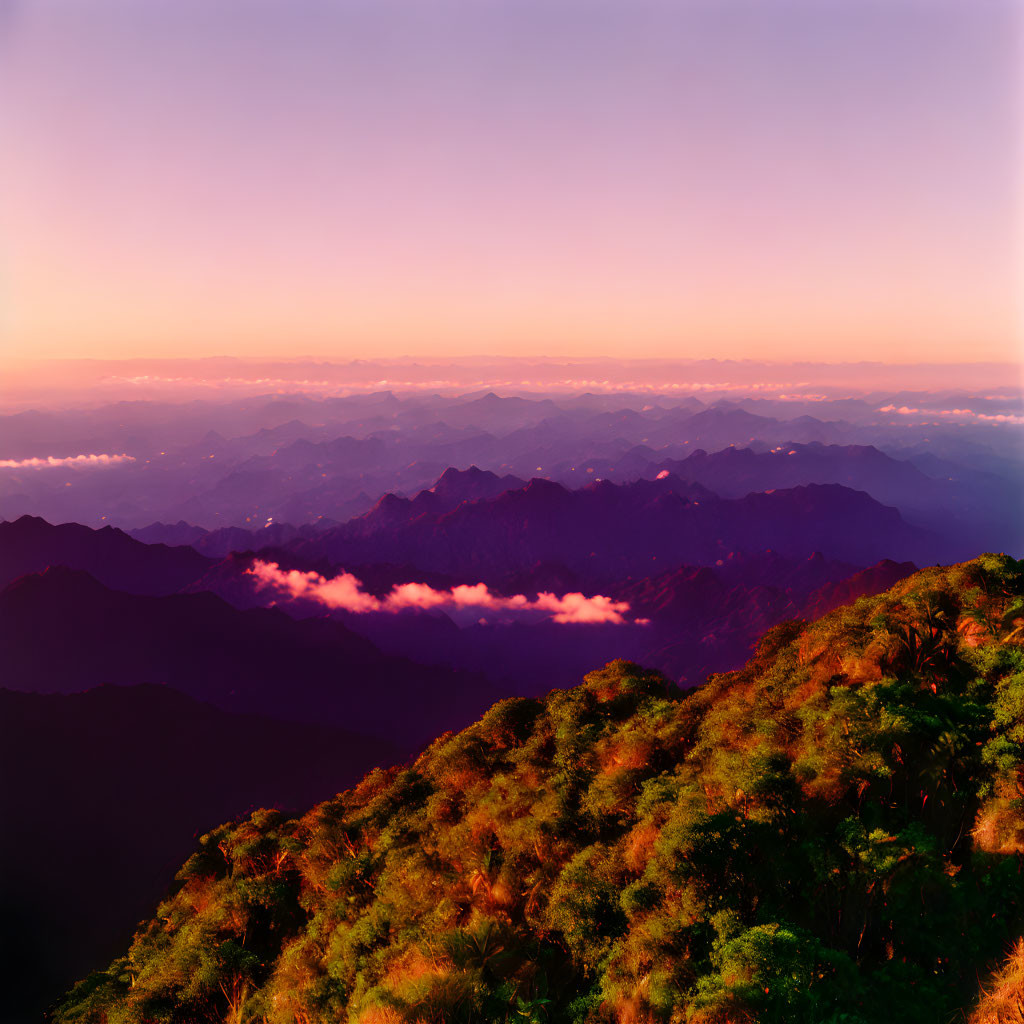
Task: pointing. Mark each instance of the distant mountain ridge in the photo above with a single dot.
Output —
(31, 544)
(736, 471)
(301, 460)
(450, 490)
(607, 530)
(953, 512)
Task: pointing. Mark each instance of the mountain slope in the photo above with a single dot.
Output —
(872, 580)
(831, 833)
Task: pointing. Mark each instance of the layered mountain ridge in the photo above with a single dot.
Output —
(328, 582)
(608, 530)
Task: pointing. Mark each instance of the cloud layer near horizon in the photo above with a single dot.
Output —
(961, 414)
(72, 461)
(345, 592)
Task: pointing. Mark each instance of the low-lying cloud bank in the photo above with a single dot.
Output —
(960, 414)
(72, 461)
(345, 592)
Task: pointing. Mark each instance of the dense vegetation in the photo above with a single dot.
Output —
(832, 834)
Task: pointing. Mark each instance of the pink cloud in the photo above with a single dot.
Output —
(345, 592)
(1000, 418)
(903, 410)
(966, 414)
(576, 607)
(414, 595)
(72, 461)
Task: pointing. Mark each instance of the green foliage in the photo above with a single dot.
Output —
(780, 973)
(832, 834)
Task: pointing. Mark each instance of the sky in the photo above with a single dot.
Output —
(748, 179)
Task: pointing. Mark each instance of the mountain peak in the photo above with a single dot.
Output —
(539, 485)
(452, 475)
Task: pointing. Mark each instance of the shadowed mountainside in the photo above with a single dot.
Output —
(105, 791)
(259, 661)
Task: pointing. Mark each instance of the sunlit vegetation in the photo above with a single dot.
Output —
(834, 834)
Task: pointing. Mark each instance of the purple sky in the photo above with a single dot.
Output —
(827, 179)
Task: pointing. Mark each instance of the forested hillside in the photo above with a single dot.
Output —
(833, 833)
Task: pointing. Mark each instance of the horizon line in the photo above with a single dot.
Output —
(483, 357)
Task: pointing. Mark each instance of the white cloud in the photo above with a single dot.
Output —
(345, 592)
(72, 461)
(962, 414)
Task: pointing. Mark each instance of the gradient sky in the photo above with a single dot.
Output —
(826, 179)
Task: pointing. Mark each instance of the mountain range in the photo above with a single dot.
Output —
(607, 531)
(300, 459)
(256, 600)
